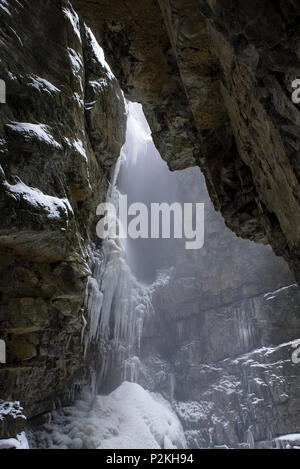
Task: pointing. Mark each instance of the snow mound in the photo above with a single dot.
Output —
(128, 418)
(20, 442)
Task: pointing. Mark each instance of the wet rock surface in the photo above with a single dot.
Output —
(61, 131)
(223, 356)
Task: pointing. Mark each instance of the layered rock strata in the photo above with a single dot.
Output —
(61, 131)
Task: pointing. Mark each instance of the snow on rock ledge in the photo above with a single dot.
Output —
(34, 222)
(53, 206)
(12, 419)
(38, 132)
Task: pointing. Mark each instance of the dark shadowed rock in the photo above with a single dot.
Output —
(215, 80)
(60, 133)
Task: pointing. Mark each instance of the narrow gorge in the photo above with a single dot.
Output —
(132, 342)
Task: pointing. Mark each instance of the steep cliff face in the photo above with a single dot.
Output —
(220, 343)
(229, 369)
(61, 130)
(258, 47)
(215, 81)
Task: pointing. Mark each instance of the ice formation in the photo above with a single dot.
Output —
(117, 303)
(13, 410)
(128, 418)
(20, 442)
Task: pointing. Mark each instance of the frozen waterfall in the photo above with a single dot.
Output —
(117, 304)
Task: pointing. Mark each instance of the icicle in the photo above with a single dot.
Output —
(117, 303)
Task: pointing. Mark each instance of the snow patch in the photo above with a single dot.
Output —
(78, 144)
(193, 411)
(20, 442)
(290, 437)
(14, 409)
(79, 100)
(77, 65)
(39, 131)
(12, 77)
(75, 59)
(272, 295)
(54, 206)
(4, 5)
(98, 51)
(289, 441)
(42, 85)
(74, 20)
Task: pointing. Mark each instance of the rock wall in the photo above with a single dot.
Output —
(61, 130)
(220, 343)
(215, 80)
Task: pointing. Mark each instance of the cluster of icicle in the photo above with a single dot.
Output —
(116, 302)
